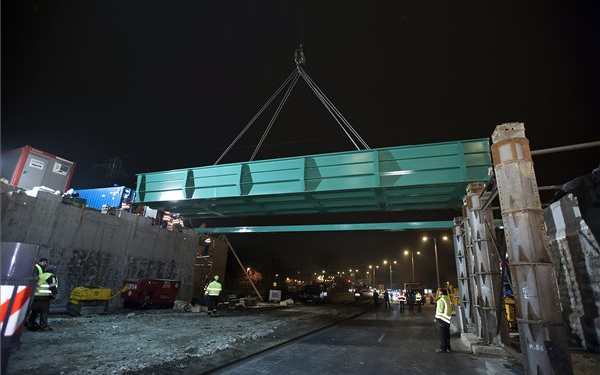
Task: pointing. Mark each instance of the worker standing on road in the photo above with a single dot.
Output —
(411, 300)
(386, 299)
(46, 290)
(375, 297)
(418, 300)
(402, 300)
(212, 291)
(443, 310)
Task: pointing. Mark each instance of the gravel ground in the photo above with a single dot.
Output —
(165, 341)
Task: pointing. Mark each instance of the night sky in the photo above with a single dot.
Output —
(166, 85)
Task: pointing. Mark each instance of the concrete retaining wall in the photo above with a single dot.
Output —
(93, 249)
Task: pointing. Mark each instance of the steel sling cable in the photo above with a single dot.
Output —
(281, 104)
(303, 74)
(346, 122)
(319, 92)
(287, 80)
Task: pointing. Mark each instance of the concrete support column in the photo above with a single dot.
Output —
(464, 309)
(541, 327)
(471, 262)
(487, 268)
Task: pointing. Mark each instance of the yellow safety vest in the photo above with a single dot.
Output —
(43, 288)
(443, 309)
(213, 289)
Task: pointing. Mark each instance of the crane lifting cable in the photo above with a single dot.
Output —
(290, 83)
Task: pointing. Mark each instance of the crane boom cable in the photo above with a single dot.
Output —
(318, 91)
(281, 104)
(331, 111)
(284, 84)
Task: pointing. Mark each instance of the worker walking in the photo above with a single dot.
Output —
(46, 290)
(402, 300)
(443, 310)
(212, 291)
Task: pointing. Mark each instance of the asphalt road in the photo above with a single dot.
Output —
(383, 341)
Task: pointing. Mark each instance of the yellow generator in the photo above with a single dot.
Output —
(93, 300)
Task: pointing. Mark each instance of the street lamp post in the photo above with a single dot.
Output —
(412, 259)
(437, 269)
(386, 262)
(374, 274)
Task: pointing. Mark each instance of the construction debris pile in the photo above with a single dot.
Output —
(163, 341)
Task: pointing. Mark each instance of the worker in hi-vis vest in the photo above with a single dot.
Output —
(418, 300)
(46, 290)
(213, 289)
(443, 314)
(402, 300)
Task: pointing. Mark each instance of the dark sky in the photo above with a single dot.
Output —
(167, 85)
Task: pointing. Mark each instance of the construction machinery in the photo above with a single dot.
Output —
(91, 300)
(150, 293)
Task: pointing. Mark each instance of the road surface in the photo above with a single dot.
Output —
(383, 341)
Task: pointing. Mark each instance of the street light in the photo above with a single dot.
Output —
(386, 262)
(437, 269)
(374, 274)
(412, 257)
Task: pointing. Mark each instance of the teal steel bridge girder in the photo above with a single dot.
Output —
(417, 177)
(414, 225)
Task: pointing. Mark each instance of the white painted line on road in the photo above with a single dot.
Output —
(381, 338)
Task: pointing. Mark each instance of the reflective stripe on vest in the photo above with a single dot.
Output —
(442, 310)
(402, 297)
(43, 288)
(213, 289)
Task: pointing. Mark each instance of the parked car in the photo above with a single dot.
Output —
(311, 293)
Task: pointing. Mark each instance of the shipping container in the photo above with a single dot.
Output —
(120, 197)
(28, 167)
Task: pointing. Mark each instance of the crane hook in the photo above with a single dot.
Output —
(299, 58)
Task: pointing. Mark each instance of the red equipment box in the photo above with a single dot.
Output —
(150, 293)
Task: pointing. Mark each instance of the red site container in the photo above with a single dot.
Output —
(28, 167)
(150, 293)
